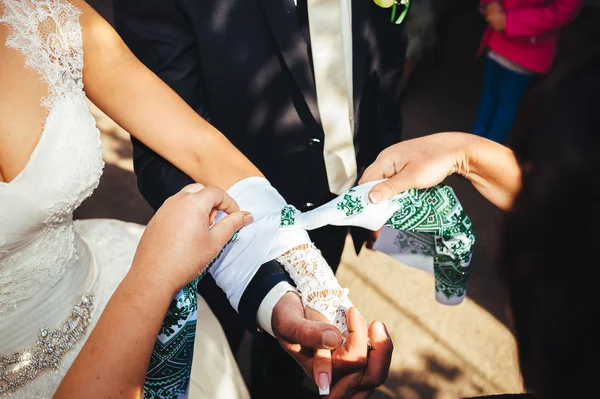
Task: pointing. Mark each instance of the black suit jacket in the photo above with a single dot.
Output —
(245, 66)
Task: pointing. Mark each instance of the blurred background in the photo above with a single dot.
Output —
(440, 351)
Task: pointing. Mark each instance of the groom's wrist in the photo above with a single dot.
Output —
(267, 286)
(264, 315)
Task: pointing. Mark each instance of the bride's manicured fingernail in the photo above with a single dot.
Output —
(323, 384)
(375, 196)
(382, 330)
(248, 218)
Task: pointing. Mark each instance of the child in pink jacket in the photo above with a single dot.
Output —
(520, 42)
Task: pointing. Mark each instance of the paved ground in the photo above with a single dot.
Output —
(440, 352)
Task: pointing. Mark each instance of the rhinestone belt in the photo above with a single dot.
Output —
(18, 369)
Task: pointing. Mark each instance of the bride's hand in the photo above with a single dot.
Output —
(357, 371)
(325, 301)
(181, 240)
(322, 368)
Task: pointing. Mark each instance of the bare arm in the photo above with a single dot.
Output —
(176, 246)
(493, 170)
(427, 161)
(128, 92)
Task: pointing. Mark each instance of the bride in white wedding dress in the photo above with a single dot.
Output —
(56, 274)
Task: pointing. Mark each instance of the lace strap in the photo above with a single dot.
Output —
(48, 33)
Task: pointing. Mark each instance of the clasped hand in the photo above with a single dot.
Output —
(354, 370)
(351, 369)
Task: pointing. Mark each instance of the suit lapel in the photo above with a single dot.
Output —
(283, 19)
(282, 16)
(360, 33)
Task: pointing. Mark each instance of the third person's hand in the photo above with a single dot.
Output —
(182, 238)
(417, 163)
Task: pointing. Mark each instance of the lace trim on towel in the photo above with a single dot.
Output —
(48, 34)
(319, 288)
(22, 367)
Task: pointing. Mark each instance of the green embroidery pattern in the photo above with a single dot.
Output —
(351, 204)
(169, 371)
(170, 366)
(288, 216)
(179, 311)
(436, 211)
(415, 243)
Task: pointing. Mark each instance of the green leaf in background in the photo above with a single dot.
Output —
(403, 14)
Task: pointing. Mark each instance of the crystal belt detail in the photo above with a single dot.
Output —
(19, 368)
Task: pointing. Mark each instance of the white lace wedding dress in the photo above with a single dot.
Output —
(56, 274)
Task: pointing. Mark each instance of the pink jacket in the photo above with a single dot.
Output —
(531, 32)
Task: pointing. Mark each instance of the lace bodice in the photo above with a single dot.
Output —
(38, 243)
(48, 33)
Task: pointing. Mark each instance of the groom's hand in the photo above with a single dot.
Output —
(301, 337)
(357, 370)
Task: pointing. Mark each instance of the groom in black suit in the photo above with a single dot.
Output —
(246, 66)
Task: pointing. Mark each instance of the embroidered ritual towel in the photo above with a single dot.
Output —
(279, 231)
(430, 222)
